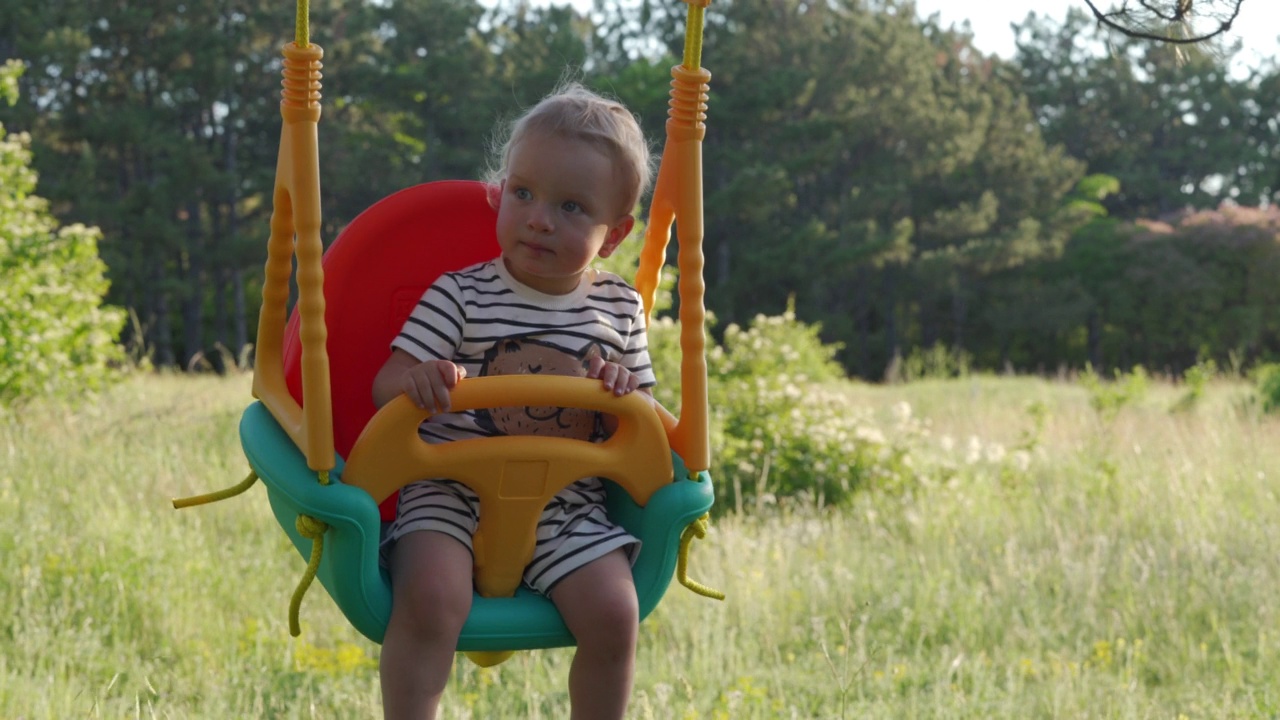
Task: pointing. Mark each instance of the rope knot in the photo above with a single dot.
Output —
(313, 530)
(696, 529)
(699, 527)
(310, 528)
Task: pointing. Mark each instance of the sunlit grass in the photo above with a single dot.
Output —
(1074, 566)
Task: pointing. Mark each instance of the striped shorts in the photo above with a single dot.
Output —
(573, 530)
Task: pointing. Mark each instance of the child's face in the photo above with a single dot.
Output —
(558, 210)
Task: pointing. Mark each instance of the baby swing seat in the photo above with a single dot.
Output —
(374, 274)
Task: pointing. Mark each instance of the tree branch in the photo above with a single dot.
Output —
(1129, 23)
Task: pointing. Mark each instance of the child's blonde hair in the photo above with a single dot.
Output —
(574, 112)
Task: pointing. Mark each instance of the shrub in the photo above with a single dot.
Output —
(935, 363)
(56, 337)
(778, 433)
(1196, 380)
(1108, 397)
(775, 432)
(1266, 380)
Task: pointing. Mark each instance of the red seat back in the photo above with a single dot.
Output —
(374, 274)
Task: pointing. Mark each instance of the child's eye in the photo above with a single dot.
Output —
(523, 193)
(571, 206)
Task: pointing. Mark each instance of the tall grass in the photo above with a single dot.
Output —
(1052, 561)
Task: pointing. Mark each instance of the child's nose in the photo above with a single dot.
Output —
(540, 218)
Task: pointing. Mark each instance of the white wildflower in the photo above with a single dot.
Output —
(1021, 460)
(869, 435)
(902, 412)
(974, 452)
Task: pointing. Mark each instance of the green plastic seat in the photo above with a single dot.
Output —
(349, 568)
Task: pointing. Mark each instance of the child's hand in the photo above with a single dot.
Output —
(612, 375)
(428, 383)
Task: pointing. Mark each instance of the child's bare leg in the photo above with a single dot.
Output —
(431, 597)
(598, 603)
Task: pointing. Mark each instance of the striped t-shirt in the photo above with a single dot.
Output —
(486, 321)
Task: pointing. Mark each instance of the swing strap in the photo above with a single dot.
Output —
(696, 529)
(313, 530)
(302, 24)
(693, 31)
(308, 527)
(234, 490)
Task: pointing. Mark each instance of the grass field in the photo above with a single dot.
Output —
(1051, 562)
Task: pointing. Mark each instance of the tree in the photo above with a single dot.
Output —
(875, 167)
(56, 336)
(135, 134)
(1175, 134)
(878, 168)
(160, 126)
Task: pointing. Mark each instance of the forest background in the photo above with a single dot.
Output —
(1092, 201)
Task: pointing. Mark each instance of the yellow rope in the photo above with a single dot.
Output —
(313, 530)
(302, 25)
(696, 529)
(179, 503)
(693, 33)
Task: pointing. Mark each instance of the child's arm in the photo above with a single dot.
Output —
(426, 383)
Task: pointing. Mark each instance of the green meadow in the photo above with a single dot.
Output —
(1053, 558)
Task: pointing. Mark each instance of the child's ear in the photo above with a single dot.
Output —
(493, 192)
(617, 233)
